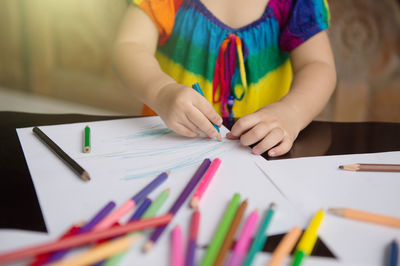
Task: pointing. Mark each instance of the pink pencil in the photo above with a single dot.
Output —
(198, 194)
(243, 242)
(111, 219)
(177, 255)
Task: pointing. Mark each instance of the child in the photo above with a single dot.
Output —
(266, 62)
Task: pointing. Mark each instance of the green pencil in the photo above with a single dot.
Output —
(261, 236)
(86, 145)
(223, 227)
(150, 212)
(156, 205)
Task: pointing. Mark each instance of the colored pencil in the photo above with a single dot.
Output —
(82, 173)
(366, 216)
(222, 229)
(371, 167)
(101, 252)
(284, 247)
(393, 253)
(177, 255)
(157, 204)
(201, 189)
(192, 244)
(138, 214)
(179, 202)
(130, 204)
(261, 236)
(86, 228)
(243, 242)
(149, 213)
(86, 142)
(230, 236)
(140, 210)
(197, 88)
(42, 259)
(85, 238)
(307, 241)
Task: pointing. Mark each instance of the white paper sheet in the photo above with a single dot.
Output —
(126, 155)
(316, 182)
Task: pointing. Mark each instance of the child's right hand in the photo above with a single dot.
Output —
(185, 111)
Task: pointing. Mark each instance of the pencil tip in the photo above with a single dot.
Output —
(85, 176)
(168, 190)
(194, 203)
(335, 211)
(219, 137)
(341, 166)
(168, 172)
(148, 246)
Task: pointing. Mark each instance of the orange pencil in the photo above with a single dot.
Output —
(285, 246)
(231, 234)
(84, 238)
(367, 216)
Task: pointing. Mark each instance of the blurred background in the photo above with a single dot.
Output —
(55, 57)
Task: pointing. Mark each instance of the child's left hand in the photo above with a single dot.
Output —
(274, 126)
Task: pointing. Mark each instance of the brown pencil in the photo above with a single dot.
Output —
(371, 167)
(231, 234)
(65, 157)
(366, 216)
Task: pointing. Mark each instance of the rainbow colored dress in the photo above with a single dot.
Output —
(239, 70)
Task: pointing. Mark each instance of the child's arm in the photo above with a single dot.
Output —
(182, 108)
(277, 125)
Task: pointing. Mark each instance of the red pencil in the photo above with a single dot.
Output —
(84, 238)
(194, 231)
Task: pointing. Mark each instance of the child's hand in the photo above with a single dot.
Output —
(186, 112)
(274, 126)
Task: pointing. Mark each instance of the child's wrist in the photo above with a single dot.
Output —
(157, 92)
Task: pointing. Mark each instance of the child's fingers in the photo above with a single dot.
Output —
(257, 133)
(202, 123)
(184, 130)
(274, 137)
(192, 126)
(244, 124)
(208, 111)
(282, 148)
(229, 135)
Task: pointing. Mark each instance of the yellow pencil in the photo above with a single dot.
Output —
(101, 252)
(307, 241)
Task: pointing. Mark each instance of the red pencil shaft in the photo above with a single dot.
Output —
(85, 238)
(194, 227)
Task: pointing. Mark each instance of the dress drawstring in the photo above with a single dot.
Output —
(226, 71)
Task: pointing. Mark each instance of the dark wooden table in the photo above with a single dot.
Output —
(20, 208)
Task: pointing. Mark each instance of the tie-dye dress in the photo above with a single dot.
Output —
(239, 70)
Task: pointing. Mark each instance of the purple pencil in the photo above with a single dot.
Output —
(142, 208)
(179, 202)
(86, 228)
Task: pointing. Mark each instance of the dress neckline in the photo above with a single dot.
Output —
(268, 12)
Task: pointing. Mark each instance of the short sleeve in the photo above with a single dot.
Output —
(162, 13)
(305, 19)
